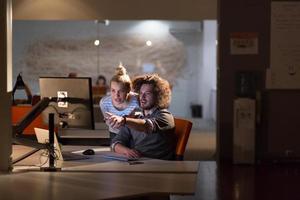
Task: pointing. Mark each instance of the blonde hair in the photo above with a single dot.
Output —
(122, 77)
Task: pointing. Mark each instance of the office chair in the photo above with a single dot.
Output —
(182, 130)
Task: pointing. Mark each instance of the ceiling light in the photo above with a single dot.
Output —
(149, 43)
(106, 22)
(96, 42)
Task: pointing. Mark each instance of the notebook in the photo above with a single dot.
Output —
(42, 136)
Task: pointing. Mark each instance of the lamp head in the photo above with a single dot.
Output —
(20, 83)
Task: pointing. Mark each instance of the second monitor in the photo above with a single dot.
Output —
(72, 102)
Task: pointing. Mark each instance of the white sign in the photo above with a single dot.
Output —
(62, 94)
(243, 43)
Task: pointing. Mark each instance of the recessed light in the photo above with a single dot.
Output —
(97, 42)
(149, 43)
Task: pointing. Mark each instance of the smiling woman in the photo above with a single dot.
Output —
(120, 101)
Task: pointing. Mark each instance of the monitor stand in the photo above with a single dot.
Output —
(17, 129)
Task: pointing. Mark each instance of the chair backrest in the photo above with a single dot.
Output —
(182, 130)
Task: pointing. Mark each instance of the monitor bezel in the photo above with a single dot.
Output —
(90, 100)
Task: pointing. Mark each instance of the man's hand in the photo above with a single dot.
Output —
(130, 153)
(114, 121)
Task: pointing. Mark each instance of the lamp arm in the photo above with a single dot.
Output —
(38, 109)
(30, 116)
(26, 120)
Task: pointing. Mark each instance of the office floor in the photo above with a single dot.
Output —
(202, 141)
(202, 146)
(263, 181)
(246, 182)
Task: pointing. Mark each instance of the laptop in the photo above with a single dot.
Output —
(42, 136)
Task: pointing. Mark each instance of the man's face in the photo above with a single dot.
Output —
(147, 99)
(118, 93)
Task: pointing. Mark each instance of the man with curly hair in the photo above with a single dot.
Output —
(152, 134)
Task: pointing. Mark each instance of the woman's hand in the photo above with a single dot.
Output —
(114, 121)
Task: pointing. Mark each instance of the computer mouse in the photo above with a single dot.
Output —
(88, 152)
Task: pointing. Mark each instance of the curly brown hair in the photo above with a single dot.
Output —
(161, 86)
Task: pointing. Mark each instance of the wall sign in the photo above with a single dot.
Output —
(243, 43)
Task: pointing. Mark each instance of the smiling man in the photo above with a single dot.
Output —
(152, 134)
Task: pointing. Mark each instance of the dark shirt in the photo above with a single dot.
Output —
(160, 143)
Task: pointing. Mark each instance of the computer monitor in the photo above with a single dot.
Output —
(71, 103)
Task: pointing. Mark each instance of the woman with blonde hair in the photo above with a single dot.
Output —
(121, 101)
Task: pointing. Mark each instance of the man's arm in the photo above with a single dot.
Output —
(118, 121)
(162, 121)
(130, 153)
(121, 143)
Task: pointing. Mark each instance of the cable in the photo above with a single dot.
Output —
(45, 153)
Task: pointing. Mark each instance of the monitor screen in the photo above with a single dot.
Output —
(72, 102)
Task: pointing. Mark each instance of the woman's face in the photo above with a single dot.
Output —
(118, 93)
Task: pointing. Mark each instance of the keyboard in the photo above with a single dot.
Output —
(67, 156)
(115, 156)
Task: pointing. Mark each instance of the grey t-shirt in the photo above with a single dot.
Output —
(160, 143)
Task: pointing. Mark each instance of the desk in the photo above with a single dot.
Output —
(96, 163)
(83, 185)
(148, 166)
(92, 179)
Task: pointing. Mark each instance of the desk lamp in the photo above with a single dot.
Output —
(20, 85)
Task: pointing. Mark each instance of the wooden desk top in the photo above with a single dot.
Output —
(97, 163)
(145, 166)
(79, 185)
(90, 179)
